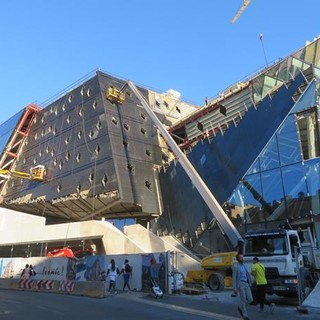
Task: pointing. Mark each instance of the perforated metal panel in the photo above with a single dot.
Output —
(99, 157)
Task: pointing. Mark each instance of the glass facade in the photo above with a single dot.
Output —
(7, 128)
(263, 166)
(283, 182)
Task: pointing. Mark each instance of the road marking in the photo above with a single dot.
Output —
(49, 309)
(5, 312)
(210, 315)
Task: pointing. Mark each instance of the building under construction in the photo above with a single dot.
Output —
(94, 152)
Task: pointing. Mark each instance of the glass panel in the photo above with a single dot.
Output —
(269, 84)
(313, 182)
(257, 87)
(300, 54)
(236, 204)
(269, 158)
(309, 53)
(306, 66)
(296, 191)
(308, 133)
(316, 73)
(307, 99)
(289, 146)
(252, 198)
(317, 56)
(273, 194)
(7, 128)
(255, 168)
(273, 71)
(296, 66)
(283, 73)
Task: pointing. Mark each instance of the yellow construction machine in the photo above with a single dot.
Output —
(216, 272)
(36, 173)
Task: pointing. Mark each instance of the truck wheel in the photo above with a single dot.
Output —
(216, 282)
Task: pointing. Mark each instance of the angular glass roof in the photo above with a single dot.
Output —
(7, 128)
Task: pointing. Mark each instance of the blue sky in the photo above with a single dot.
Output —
(186, 45)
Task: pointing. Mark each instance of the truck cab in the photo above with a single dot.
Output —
(278, 250)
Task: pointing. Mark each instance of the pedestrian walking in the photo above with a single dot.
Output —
(241, 280)
(258, 270)
(112, 272)
(32, 271)
(127, 273)
(26, 272)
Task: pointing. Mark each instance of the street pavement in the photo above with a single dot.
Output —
(26, 305)
(221, 305)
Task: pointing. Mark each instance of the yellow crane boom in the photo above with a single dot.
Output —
(243, 7)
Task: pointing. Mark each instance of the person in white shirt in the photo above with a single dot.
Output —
(112, 272)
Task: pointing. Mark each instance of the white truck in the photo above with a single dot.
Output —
(291, 258)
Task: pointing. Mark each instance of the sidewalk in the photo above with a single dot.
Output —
(222, 303)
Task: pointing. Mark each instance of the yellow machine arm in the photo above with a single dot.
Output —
(244, 5)
(220, 260)
(36, 173)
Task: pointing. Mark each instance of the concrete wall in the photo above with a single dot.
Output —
(16, 227)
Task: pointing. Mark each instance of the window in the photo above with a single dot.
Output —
(308, 133)
(91, 134)
(104, 180)
(261, 245)
(293, 243)
(98, 125)
(91, 177)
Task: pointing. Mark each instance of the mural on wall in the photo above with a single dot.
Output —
(92, 268)
(49, 269)
(153, 267)
(71, 269)
(7, 270)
